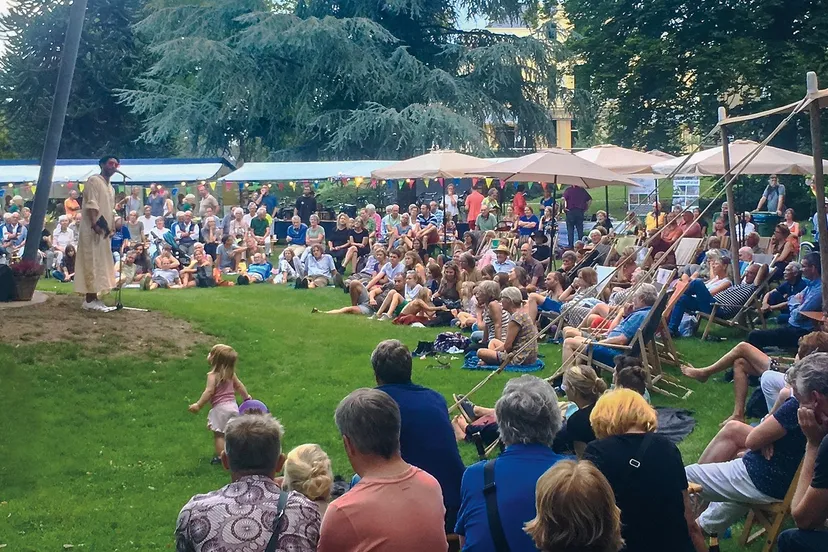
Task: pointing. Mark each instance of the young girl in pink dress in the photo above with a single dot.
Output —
(220, 392)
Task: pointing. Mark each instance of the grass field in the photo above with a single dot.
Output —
(99, 451)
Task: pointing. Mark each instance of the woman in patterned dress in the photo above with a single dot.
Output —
(521, 342)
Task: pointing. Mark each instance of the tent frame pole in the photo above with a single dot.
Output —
(731, 203)
(819, 187)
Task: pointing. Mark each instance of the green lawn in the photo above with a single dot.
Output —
(100, 452)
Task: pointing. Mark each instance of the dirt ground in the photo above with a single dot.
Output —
(59, 318)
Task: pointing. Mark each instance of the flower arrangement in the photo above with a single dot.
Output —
(27, 269)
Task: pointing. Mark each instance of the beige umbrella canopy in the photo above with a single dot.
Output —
(662, 154)
(770, 160)
(556, 166)
(437, 164)
(620, 160)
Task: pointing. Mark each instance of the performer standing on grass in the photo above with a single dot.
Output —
(95, 268)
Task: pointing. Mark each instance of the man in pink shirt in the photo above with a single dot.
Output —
(473, 203)
(395, 507)
(689, 228)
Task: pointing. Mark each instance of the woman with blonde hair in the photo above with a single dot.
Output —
(576, 511)
(646, 472)
(583, 387)
(308, 472)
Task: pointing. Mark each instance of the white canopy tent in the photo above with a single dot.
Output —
(304, 170)
(140, 171)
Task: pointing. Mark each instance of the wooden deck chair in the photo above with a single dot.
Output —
(666, 350)
(663, 278)
(770, 517)
(604, 277)
(686, 251)
(764, 244)
(763, 258)
(742, 318)
(726, 242)
(643, 255)
(622, 242)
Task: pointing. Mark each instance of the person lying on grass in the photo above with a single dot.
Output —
(365, 302)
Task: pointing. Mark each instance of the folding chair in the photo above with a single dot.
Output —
(770, 517)
(668, 352)
(764, 244)
(741, 319)
(686, 251)
(763, 258)
(643, 255)
(623, 242)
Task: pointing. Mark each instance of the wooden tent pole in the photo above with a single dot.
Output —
(731, 204)
(816, 145)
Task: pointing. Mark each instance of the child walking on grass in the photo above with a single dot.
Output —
(220, 392)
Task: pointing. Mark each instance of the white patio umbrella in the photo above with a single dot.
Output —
(770, 160)
(621, 160)
(437, 164)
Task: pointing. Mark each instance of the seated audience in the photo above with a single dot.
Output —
(646, 473)
(486, 221)
(260, 270)
(65, 272)
(358, 245)
(576, 511)
(635, 313)
(521, 343)
(528, 417)
(245, 510)
(134, 226)
(147, 221)
(809, 509)
(785, 248)
(199, 273)
(319, 267)
(389, 270)
(426, 436)
(186, 234)
(389, 489)
(61, 238)
(129, 272)
(260, 228)
(700, 295)
(339, 241)
(395, 302)
(165, 274)
(288, 269)
(13, 234)
(790, 222)
(308, 471)
(780, 298)
(583, 387)
(228, 254)
(296, 235)
(810, 299)
(532, 266)
(495, 318)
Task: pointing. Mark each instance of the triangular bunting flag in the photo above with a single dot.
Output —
(121, 189)
(474, 181)
(174, 192)
(543, 185)
(213, 186)
(281, 186)
(411, 182)
(441, 181)
(529, 185)
(502, 184)
(426, 181)
(228, 186)
(373, 182)
(146, 191)
(2, 192)
(293, 186)
(489, 182)
(400, 183)
(315, 184)
(515, 184)
(34, 189)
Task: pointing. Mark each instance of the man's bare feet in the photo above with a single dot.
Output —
(694, 373)
(732, 418)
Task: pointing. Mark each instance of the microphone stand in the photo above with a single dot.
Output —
(119, 304)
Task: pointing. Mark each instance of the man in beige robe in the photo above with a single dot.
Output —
(94, 266)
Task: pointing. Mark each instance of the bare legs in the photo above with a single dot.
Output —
(351, 257)
(218, 440)
(727, 444)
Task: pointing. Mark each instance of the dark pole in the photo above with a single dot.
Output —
(816, 145)
(50, 149)
(731, 208)
(606, 199)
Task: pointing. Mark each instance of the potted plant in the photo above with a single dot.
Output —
(26, 274)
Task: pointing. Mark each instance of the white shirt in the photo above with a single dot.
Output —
(749, 227)
(147, 223)
(451, 210)
(61, 239)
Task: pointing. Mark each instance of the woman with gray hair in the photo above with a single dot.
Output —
(521, 343)
(529, 417)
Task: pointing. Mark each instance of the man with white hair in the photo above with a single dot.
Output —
(369, 421)
(260, 227)
(14, 234)
(436, 212)
(389, 222)
(784, 296)
(296, 235)
(186, 233)
(237, 228)
(502, 490)
(250, 511)
(374, 222)
(745, 259)
(809, 381)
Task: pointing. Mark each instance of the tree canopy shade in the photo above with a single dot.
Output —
(349, 79)
(109, 58)
(663, 66)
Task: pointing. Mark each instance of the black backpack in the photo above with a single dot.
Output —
(8, 290)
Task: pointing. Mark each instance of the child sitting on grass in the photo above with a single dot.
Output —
(220, 392)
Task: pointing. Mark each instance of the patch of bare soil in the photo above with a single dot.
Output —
(123, 332)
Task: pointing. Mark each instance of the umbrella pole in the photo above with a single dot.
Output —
(816, 144)
(731, 204)
(555, 212)
(606, 199)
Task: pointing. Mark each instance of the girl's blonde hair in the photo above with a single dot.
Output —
(576, 510)
(620, 411)
(467, 290)
(585, 382)
(223, 360)
(308, 472)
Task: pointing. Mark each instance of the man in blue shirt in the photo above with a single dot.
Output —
(528, 418)
(296, 234)
(502, 262)
(120, 238)
(268, 201)
(634, 316)
(428, 231)
(783, 296)
(426, 436)
(810, 299)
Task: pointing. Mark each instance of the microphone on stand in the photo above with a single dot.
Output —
(122, 174)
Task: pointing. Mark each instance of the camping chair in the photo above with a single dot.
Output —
(770, 517)
(741, 319)
(668, 352)
(686, 251)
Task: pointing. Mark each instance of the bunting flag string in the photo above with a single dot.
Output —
(373, 183)
(315, 184)
(474, 181)
(426, 181)
(33, 188)
(228, 186)
(146, 192)
(488, 182)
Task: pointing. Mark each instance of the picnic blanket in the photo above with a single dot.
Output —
(471, 363)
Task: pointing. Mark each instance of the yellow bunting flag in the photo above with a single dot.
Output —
(146, 191)
(293, 186)
(426, 181)
(213, 186)
(358, 181)
(34, 189)
(81, 187)
(488, 182)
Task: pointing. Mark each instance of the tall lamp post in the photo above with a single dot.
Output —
(69, 56)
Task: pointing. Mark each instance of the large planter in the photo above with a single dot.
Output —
(25, 287)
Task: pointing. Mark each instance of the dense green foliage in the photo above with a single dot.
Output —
(110, 57)
(340, 79)
(662, 67)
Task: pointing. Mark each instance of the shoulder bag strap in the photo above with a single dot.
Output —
(492, 513)
(280, 511)
(635, 461)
